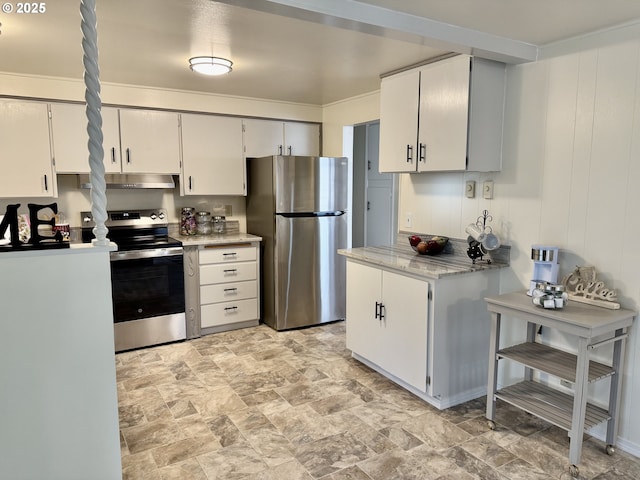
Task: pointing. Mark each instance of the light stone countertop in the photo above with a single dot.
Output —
(403, 259)
(220, 239)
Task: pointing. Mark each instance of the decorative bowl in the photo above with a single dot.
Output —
(428, 245)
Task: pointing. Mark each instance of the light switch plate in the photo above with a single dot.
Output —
(408, 220)
(470, 188)
(487, 189)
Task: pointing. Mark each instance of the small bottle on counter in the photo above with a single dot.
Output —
(219, 224)
(187, 222)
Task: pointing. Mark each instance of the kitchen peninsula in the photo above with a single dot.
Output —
(421, 320)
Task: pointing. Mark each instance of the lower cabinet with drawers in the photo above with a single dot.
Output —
(228, 286)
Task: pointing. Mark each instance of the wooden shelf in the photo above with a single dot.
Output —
(555, 362)
(551, 405)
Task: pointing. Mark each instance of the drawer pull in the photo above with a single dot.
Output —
(230, 270)
(234, 308)
(234, 290)
(230, 254)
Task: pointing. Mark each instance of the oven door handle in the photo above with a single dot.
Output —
(152, 253)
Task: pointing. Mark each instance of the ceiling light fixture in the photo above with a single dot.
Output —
(210, 65)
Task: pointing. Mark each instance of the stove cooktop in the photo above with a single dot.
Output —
(133, 229)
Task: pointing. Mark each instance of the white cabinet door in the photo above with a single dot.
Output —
(406, 319)
(399, 122)
(301, 139)
(272, 137)
(263, 138)
(444, 107)
(150, 141)
(364, 331)
(70, 137)
(212, 158)
(395, 341)
(25, 150)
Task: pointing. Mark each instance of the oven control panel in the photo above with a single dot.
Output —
(129, 218)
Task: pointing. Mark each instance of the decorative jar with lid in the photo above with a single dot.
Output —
(187, 221)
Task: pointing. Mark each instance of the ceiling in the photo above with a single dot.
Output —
(304, 51)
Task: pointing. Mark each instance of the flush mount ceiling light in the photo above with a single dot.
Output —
(210, 65)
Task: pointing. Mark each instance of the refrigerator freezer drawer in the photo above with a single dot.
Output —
(225, 273)
(218, 314)
(227, 254)
(228, 292)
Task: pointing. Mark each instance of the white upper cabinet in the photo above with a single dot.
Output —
(212, 156)
(271, 137)
(70, 138)
(399, 122)
(444, 116)
(150, 141)
(301, 139)
(26, 167)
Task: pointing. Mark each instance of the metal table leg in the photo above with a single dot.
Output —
(494, 342)
(579, 402)
(614, 391)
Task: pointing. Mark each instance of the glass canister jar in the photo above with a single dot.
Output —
(187, 221)
(219, 224)
(203, 223)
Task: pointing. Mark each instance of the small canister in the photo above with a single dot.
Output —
(187, 222)
(219, 224)
(548, 295)
(203, 223)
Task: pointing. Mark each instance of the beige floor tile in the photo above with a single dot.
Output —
(256, 404)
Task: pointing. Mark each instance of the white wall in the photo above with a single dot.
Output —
(569, 179)
(336, 116)
(57, 372)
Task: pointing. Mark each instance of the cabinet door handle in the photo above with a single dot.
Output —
(229, 254)
(190, 183)
(382, 309)
(423, 153)
(231, 289)
(378, 305)
(46, 183)
(128, 155)
(113, 154)
(279, 149)
(289, 150)
(409, 153)
(230, 308)
(230, 270)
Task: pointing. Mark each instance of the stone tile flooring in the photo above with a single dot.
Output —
(259, 404)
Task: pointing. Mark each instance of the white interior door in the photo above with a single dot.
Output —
(380, 194)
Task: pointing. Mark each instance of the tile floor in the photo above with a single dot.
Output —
(260, 404)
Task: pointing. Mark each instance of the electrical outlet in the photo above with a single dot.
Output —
(470, 188)
(408, 220)
(487, 189)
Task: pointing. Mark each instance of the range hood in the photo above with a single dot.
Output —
(132, 181)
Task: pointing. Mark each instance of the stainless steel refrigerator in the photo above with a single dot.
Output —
(298, 206)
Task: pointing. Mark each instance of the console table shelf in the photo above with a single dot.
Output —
(553, 361)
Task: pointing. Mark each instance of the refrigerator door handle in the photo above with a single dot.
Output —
(337, 213)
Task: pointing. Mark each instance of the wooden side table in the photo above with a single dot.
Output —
(593, 326)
